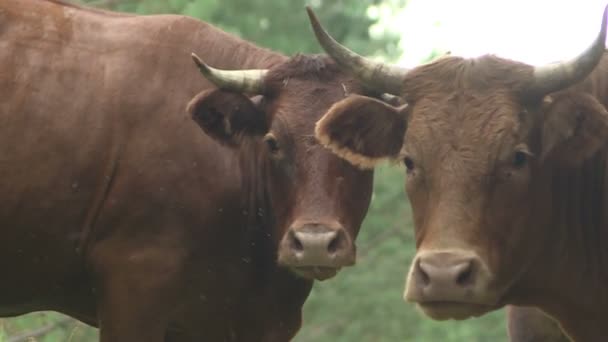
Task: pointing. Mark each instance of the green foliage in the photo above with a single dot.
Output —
(363, 303)
(45, 327)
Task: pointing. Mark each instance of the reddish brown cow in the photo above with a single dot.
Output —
(527, 324)
(506, 174)
(118, 210)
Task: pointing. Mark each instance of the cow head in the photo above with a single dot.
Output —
(317, 201)
(477, 137)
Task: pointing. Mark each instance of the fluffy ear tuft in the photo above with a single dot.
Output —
(227, 116)
(363, 130)
(575, 127)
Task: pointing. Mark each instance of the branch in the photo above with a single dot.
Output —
(24, 337)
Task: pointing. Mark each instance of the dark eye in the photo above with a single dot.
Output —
(271, 143)
(520, 159)
(409, 164)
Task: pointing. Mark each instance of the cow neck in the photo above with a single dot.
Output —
(226, 51)
(573, 260)
(256, 206)
(280, 292)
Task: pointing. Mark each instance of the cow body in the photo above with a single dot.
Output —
(116, 209)
(506, 169)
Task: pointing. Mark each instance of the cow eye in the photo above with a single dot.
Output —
(409, 164)
(520, 159)
(271, 143)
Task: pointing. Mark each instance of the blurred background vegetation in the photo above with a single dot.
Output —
(363, 303)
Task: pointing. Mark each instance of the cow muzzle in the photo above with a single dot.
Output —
(316, 250)
(449, 284)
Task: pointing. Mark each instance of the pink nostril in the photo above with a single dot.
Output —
(465, 275)
(295, 243)
(337, 243)
(422, 275)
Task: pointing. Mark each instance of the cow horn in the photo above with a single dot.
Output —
(246, 81)
(382, 77)
(560, 75)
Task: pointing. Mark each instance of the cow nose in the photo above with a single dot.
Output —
(317, 245)
(444, 276)
(442, 270)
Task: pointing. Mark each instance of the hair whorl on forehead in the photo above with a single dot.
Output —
(484, 73)
(317, 67)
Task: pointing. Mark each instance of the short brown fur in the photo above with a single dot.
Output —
(118, 210)
(526, 324)
(469, 124)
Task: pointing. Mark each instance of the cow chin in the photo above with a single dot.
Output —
(315, 272)
(442, 311)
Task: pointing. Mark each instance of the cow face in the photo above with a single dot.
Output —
(477, 140)
(317, 200)
(475, 156)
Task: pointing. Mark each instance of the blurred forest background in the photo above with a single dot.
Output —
(363, 303)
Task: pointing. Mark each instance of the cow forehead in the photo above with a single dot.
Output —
(471, 101)
(465, 125)
(301, 103)
(294, 119)
(305, 86)
(453, 74)
(296, 133)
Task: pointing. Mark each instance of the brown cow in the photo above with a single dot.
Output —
(506, 175)
(118, 210)
(526, 324)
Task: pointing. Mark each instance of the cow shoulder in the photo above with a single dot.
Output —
(228, 116)
(363, 130)
(528, 324)
(574, 128)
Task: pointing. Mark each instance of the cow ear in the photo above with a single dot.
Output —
(363, 130)
(227, 116)
(574, 128)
